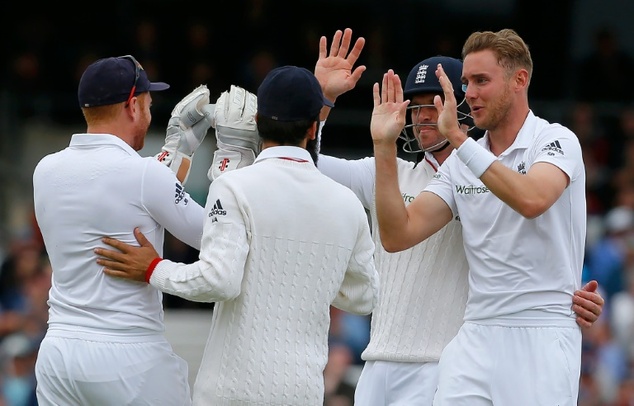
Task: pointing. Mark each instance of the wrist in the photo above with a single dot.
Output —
(331, 99)
(151, 267)
(384, 149)
(475, 157)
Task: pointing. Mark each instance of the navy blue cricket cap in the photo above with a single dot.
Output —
(291, 93)
(110, 81)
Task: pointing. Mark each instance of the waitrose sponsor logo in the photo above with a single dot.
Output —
(471, 189)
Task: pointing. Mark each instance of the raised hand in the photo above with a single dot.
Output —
(335, 70)
(237, 134)
(388, 114)
(448, 111)
(186, 130)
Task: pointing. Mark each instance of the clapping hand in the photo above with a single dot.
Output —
(388, 114)
(335, 70)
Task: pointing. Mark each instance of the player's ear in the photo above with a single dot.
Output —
(311, 133)
(521, 79)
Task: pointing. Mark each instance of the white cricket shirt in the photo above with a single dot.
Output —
(282, 242)
(99, 186)
(424, 288)
(521, 269)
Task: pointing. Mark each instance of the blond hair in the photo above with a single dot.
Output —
(510, 49)
(103, 114)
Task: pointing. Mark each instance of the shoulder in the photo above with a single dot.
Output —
(152, 164)
(404, 164)
(339, 191)
(151, 170)
(50, 161)
(544, 127)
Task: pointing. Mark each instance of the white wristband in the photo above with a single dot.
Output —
(475, 157)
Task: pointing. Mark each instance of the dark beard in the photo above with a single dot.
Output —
(312, 147)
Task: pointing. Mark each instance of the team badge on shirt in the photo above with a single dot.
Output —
(521, 168)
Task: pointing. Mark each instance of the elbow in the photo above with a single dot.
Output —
(532, 209)
(364, 311)
(230, 292)
(389, 248)
(390, 245)
(395, 242)
(359, 307)
(219, 291)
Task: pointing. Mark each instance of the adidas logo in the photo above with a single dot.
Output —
(179, 194)
(217, 210)
(553, 147)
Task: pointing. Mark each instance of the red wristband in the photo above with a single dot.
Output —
(150, 269)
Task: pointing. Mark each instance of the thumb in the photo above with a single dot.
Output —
(143, 242)
(591, 286)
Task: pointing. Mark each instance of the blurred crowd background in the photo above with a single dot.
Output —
(583, 53)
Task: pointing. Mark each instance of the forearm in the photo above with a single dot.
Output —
(199, 282)
(529, 194)
(506, 185)
(391, 212)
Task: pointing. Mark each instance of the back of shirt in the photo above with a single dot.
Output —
(98, 187)
(282, 243)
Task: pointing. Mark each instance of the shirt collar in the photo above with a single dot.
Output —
(284, 151)
(83, 140)
(524, 136)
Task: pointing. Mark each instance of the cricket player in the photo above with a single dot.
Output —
(519, 193)
(104, 344)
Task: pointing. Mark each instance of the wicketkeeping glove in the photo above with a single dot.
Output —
(237, 135)
(186, 130)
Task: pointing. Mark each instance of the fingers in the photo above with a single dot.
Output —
(356, 50)
(114, 243)
(383, 97)
(140, 237)
(124, 273)
(398, 88)
(583, 323)
(438, 104)
(341, 46)
(357, 72)
(390, 90)
(588, 306)
(345, 43)
(222, 106)
(589, 293)
(238, 98)
(323, 47)
(391, 85)
(111, 265)
(336, 40)
(445, 83)
(376, 94)
(585, 317)
(115, 256)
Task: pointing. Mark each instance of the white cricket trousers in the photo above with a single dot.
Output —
(387, 383)
(80, 372)
(520, 366)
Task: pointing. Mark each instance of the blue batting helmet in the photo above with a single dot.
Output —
(422, 79)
